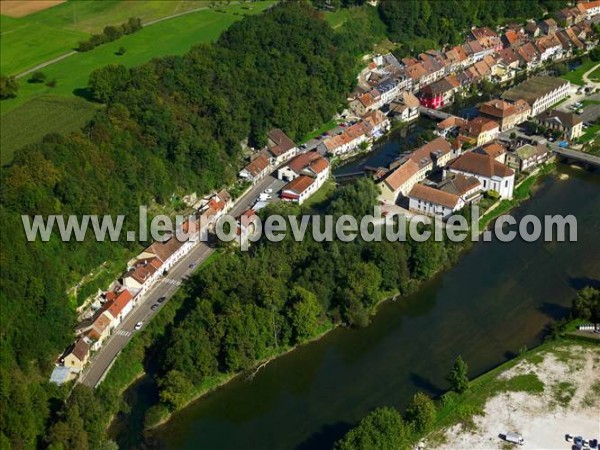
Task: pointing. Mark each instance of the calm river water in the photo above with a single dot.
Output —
(498, 298)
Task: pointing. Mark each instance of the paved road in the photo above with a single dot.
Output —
(164, 287)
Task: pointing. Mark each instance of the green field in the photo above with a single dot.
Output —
(576, 76)
(45, 114)
(170, 37)
(595, 75)
(36, 38)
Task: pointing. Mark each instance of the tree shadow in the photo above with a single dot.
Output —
(425, 385)
(84, 93)
(554, 311)
(326, 437)
(581, 282)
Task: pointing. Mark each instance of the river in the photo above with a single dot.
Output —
(498, 298)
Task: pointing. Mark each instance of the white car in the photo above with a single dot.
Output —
(268, 191)
(138, 326)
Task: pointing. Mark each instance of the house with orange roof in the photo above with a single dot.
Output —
(400, 181)
(257, 168)
(480, 130)
(492, 174)
(507, 114)
(100, 330)
(119, 307)
(433, 202)
(589, 8)
(299, 189)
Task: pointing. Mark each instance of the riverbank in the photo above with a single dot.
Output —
(542, 394)
(158, 414)
(523, 191)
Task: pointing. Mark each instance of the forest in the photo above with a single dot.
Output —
(172, 126)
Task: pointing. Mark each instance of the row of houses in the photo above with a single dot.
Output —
(466, 175)
(373, 125)
(529, 100)
(110, 308)
(486, 55)
(279, 149)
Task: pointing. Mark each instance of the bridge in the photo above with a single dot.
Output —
(435, 113)
(573, 155)
(344, 177)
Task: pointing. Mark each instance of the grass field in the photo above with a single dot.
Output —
(45, 114)
(576, 76)
(170, 37)
(33, 39)
(595, 75)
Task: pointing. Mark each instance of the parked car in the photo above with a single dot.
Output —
(268, 191)
(578, 441)
(155, 306)
(138, 326)
(514, 438)
(192, 265)
(161, 299)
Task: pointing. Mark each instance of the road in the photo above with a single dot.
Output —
(164, 287)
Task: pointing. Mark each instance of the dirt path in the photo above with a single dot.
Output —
(586, 78)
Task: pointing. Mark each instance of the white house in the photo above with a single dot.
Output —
(257, 169)
(539, 92)
(491, 174)
(433, 202)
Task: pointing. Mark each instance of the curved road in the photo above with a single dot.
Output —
(102, 360)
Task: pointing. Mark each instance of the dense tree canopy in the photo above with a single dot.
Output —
(173, 125)
(382, 429)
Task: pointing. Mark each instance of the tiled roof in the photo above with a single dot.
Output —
(460, 184)
(81, 349)
(478, 125)
(493, 149)
(431, 195)
(301, 161)
(483, 165)
(119, 303)
(258, 164)
(401, 175)
(564, 118)
(299, 185)
(281, 143)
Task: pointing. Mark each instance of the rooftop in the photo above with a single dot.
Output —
(436, 196)
(534, 88)
(483, 165)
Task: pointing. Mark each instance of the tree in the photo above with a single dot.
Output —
(382, 429)
(121, 51)
(421, 412)
(37, 77)
(304, 314)
(8, 87)
(174, 389)
(586, 305)
(458, 377)
(107, 81)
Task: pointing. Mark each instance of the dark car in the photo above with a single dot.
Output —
(192, 265)
(162, 299)
(153, 307)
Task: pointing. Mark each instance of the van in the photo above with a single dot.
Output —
(514, 438)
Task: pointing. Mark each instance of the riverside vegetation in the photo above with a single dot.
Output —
(174, 125)
(386, 428)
